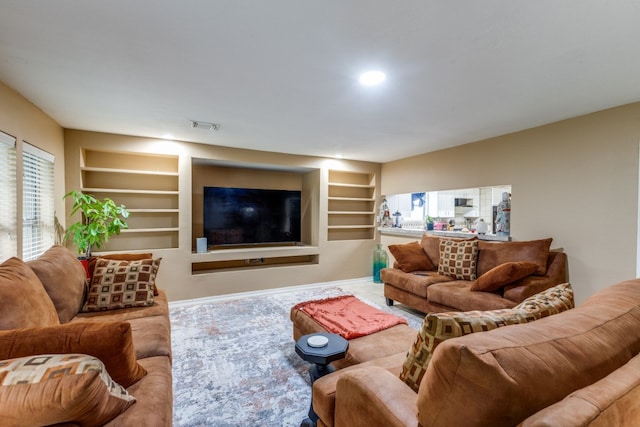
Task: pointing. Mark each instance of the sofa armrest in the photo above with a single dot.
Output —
(531, 285)
(373, 396)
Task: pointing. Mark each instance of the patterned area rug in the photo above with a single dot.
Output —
(234, 362)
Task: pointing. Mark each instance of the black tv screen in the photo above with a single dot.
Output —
(247, 216)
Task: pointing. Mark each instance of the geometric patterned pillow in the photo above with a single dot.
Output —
(554, 300)
(458, 258)
(121, 284)
(438, 327)
(57, 388)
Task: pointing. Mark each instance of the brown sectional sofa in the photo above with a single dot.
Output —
(575, 368)
(420, 286)
(40, 314)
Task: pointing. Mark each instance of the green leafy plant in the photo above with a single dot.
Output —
(429, 220)
(101, 219)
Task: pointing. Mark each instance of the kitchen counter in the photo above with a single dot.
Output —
(418, 232)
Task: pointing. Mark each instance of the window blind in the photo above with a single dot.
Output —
(8, 220)
(37, 202)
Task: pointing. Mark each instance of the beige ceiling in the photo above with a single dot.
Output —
(281, 75)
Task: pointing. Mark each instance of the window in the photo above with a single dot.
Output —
(8, 223)
(37, 202)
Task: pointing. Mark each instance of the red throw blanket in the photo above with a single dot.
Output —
(348, 316)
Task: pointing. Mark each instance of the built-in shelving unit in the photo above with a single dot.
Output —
(147, 184)
(351, 201)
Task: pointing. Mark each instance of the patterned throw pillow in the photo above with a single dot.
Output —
(58, 388)
(121, 284)
(551, 301)
(438, 327)
(458, 258)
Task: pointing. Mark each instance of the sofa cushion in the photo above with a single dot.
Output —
(120, 284)
(458, 258)
(410, 257)
(525, 368)
(502, 275)
(438, 327)
(154, 395)
(59, 388)
(111, 342)
(91, 263)
(63, 278)
(23, 300)
(492, 254)
(415, 282)
(554, 300)
(457, 295)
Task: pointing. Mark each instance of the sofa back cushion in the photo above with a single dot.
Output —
(492, 254)
(63, 278)
(525, 368)
(24, 302)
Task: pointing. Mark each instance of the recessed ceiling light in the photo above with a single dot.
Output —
(372, 78)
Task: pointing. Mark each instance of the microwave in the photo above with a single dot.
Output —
(463, 202)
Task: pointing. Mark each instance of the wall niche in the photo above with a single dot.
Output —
(216, 173)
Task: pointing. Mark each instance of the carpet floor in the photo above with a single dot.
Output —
(234, 362)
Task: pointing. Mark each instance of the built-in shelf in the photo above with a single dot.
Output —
(147, 184)
(253, 257)
(149, 230)
(126, 191)
(351, 203)
(128, 171)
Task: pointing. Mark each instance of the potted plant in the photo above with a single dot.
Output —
(429, 222)
(101, 219)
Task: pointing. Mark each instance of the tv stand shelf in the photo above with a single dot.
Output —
(251, 258)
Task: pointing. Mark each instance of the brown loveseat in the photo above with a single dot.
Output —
(578, 367)
(108, 367)
(497, 275)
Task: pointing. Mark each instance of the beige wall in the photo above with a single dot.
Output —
(26, 122)
(575, 181)
(337, 260)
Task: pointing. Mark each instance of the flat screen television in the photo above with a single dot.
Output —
(248, 216)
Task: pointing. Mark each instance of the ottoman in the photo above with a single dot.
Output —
(388, 341)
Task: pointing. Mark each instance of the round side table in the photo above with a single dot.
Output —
(321, 357)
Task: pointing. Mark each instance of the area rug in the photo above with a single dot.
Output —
(234, 362)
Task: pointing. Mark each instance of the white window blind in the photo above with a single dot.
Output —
(37, 202)
(8, 220)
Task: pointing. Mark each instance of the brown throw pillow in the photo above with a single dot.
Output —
(24, 303)
(411, 257)
(59, 388)
(458, 258)
(502, 275)
(63, 278)
(121, 284)
(111, 342)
